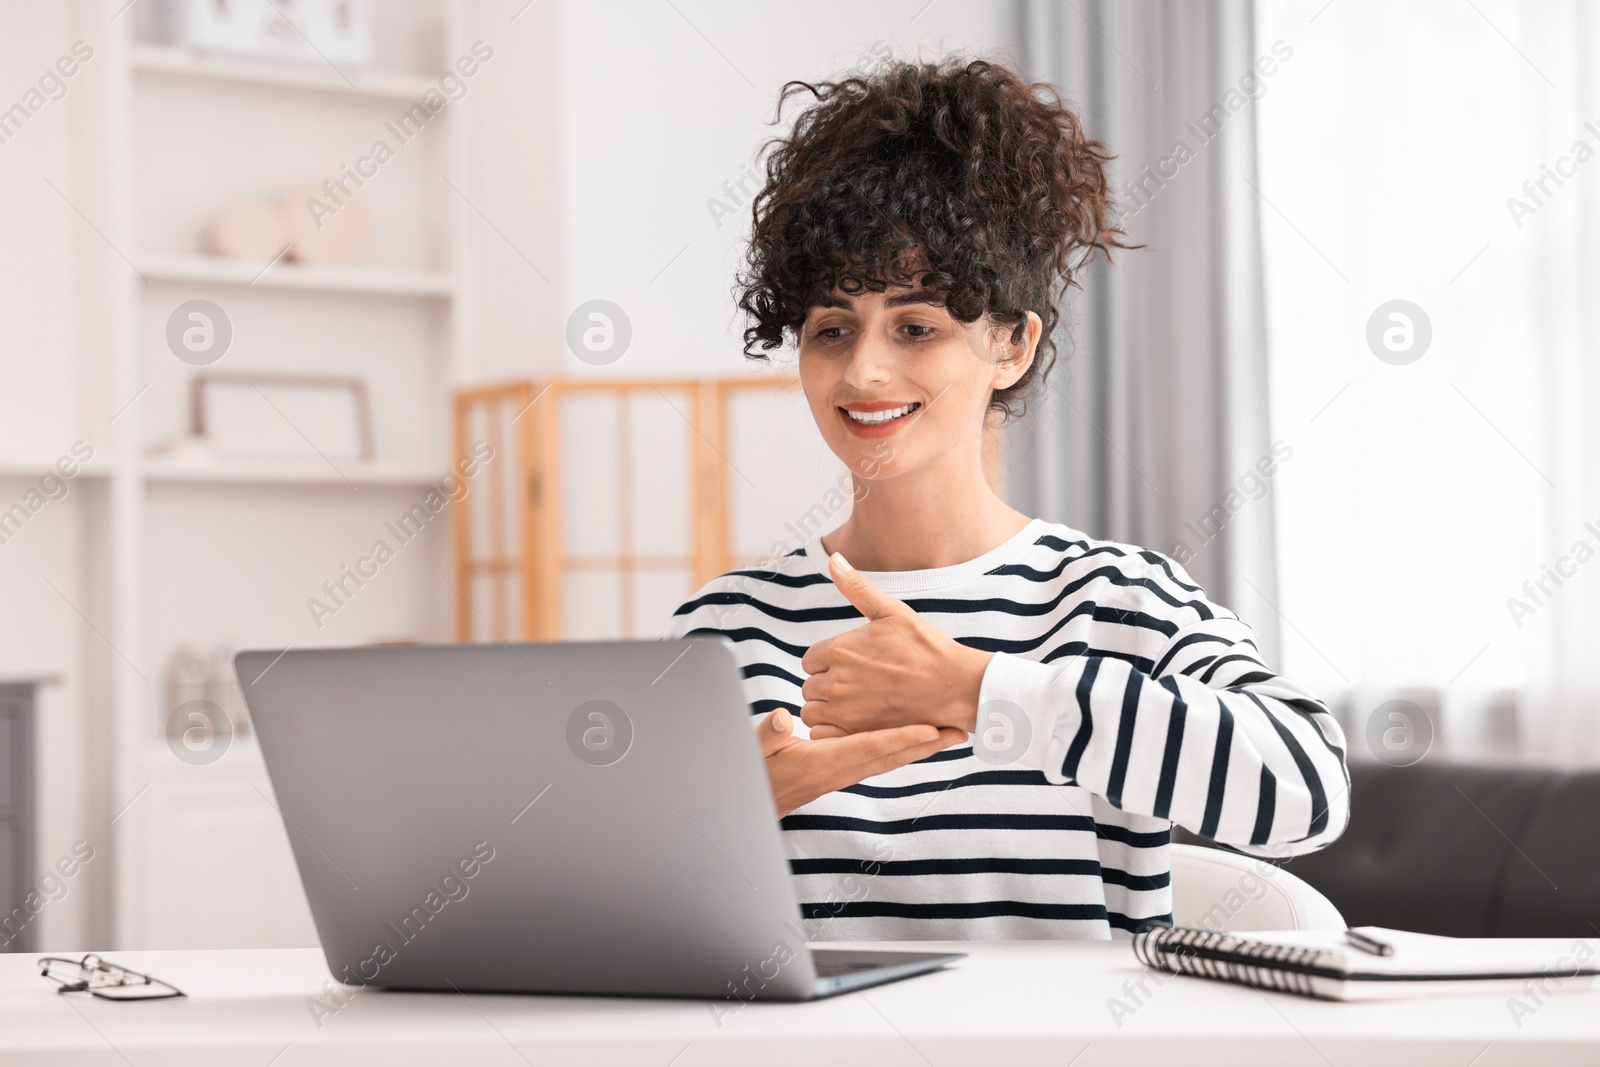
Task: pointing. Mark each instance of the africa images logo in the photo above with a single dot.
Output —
(599, 732)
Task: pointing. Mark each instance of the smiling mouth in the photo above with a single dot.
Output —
(878, 418)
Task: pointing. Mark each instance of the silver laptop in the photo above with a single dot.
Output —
(575, 817)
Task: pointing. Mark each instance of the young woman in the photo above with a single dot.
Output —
(1001, 719)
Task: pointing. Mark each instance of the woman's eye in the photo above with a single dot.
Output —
(829, 333)
(918, 330)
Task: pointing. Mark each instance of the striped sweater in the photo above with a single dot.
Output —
(1129, 702)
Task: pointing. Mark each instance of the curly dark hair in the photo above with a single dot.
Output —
(957, 176)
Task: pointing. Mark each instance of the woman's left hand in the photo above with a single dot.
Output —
(897, 670)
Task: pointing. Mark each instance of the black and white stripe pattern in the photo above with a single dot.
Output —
(1148, 705)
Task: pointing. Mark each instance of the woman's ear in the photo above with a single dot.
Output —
(1015, 357)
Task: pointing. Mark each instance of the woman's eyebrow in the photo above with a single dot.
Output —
(920, 296)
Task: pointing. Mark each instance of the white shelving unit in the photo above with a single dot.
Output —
(222, 553)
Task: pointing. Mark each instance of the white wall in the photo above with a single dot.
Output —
(40, 402)
(517, 262)
(43, 409)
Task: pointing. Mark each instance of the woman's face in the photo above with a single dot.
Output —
(895, 382)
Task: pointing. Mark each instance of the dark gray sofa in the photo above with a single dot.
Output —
(1467, 851)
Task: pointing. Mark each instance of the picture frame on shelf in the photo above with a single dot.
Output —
(266, 415)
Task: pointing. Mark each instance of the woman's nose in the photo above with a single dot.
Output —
(870, 361)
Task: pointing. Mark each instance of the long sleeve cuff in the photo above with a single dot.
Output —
(1024, 697)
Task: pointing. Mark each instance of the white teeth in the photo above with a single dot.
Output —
(870, 417)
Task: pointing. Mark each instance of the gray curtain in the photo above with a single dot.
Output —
(1157, 409)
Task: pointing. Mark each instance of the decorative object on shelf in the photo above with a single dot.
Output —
(335, 32)
(186, 680)
(252, 230)
(205, 709)
(186, 448)
(222, 689)
(263, 414)
(328, 224)
(319, 224)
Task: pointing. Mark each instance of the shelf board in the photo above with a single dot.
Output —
(290, 472)
(214, 270)
(32, 470)
(162, 60)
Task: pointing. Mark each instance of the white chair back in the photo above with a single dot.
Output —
(1228, 893)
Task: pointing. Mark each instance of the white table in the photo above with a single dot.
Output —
(1007, 1003)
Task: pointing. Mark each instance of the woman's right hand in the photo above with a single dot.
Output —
(800, 771)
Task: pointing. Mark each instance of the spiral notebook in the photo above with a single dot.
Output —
(1321, 963)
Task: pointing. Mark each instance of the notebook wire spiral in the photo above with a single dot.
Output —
(1188, 950)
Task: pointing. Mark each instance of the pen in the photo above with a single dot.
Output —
(1367, 943)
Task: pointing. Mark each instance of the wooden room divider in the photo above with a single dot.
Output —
(514, 528)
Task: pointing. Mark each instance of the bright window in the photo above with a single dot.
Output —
(1419, 496)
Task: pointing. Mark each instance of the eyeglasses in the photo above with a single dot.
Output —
(106, 980)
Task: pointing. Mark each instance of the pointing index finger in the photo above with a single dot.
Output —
(867, 598)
